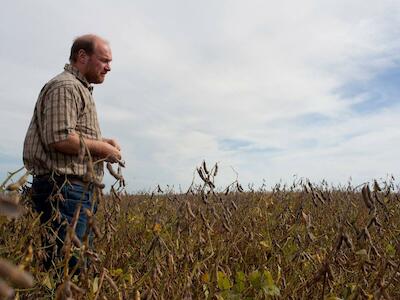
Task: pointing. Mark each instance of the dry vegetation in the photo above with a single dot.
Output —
(302, 241)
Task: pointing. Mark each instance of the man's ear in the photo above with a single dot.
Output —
(82, 56)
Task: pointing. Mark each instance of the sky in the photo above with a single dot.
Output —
(270, 91)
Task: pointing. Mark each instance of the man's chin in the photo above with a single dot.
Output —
(98, 80)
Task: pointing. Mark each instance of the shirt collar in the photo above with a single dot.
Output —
(74, 71)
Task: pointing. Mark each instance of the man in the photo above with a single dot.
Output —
(65, 114)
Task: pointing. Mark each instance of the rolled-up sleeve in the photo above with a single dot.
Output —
(60, 114)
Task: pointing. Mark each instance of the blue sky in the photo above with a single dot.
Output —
(380, 92)
(269, 89)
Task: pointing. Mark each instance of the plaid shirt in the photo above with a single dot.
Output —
(65, 105)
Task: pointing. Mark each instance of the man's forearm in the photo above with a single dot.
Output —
(71, 146)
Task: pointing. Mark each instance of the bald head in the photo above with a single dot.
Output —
(87, 43)
(91, 55)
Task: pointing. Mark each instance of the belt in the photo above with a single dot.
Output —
(75, 179)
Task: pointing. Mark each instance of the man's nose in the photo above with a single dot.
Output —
(108, 67)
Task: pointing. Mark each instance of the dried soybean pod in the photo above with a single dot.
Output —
(112, 172)
(348, 241)
(98, 184)
(15, 186)
(320, 198)
(215, 170)
(121, 163)
(119, 170)
(19, 278)
(92, 223)
(234, 204)
(376, 186)
(214, 211)
(112, 283)
(89, 175)
(211, 185)
(227, 228)
(5, 291)
(189, 209)
(226, 191)
(366, 196)
(199, 171)
(137, 295)
(75, 240)
(171, 264)
(205, 167)
(64, 291)
(77, 288)
(367, 234)
(8, 207)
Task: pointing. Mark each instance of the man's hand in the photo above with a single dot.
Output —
(112, 153)
(112, 142)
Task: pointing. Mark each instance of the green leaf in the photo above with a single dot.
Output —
(95, 285)
(270, 288)
(268, 277)
(390, 250)
(223, 281)
(240, 280)
(116, 272)
(254, 278)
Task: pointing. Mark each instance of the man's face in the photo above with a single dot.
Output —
(99, 63)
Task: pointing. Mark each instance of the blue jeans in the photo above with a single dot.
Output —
(46, 201)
